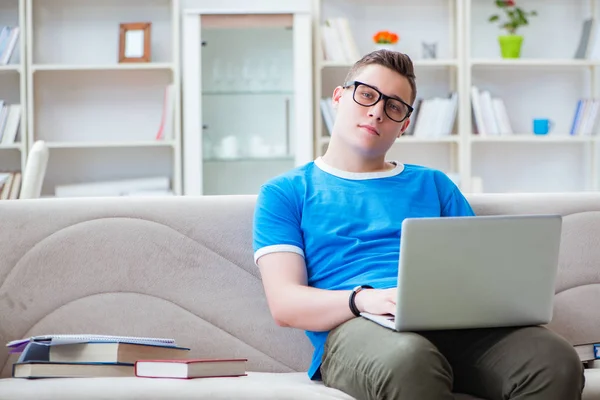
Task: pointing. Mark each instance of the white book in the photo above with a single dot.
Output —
(501, 115)
(451, 118)
(477, 112)
(491, 125)
(348, 44)
(337, 41)
(421, 125)
(11, 127)
(166, 128)
(10, 47)
(326, 110)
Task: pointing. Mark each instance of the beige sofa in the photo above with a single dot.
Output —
(182, 267)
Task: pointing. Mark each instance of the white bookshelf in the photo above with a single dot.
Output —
(546, 82)
(437, 21)
(13, 157)
(100, 117)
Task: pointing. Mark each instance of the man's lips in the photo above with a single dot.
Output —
(370, 129)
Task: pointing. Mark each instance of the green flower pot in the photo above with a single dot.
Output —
(510, 45)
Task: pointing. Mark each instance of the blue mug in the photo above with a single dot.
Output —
(542, 126)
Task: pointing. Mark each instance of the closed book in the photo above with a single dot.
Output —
(192, 368)
(44, 369)
(104, 352)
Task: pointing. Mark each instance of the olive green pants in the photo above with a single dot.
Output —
(368, 361)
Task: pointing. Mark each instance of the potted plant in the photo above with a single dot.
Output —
(516, 17)
(386, 40)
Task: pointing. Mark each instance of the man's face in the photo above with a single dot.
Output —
(368, 128)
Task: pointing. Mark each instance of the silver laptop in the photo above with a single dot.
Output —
(475, 272)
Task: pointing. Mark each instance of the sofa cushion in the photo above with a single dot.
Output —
(257, 385)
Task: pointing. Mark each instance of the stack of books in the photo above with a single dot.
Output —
(87, 356)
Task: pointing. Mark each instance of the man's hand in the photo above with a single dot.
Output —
(376, 301)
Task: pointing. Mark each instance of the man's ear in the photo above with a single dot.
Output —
(337, 93)
(404, 126)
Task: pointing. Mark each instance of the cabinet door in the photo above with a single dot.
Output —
(252, 101)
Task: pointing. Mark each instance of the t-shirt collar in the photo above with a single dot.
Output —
(399, 167)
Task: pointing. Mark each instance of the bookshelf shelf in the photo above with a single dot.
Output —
(417, 63)
(83, 145)
(530, 138)
(102, 67)
(14, 146)
(99, 117)
(534, 63)
(10, 68)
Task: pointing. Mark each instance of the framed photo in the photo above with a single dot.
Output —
(134, 42)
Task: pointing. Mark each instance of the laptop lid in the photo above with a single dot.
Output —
(476, 272)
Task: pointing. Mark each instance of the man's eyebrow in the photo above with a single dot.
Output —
(392, 95)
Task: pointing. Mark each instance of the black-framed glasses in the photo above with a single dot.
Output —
(365, 95)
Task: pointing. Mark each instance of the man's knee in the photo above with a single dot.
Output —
(553, 365)
(561, 363)
(412, 356)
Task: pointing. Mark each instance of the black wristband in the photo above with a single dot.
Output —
(351, 302)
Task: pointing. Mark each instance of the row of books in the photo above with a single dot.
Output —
(434, 117)
(9, 35)
(10, 185)
(587, 117)
(10, 119)
(337, 41)
(90, 355)
(489, 114)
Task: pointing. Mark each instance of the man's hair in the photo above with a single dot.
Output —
(396, 61)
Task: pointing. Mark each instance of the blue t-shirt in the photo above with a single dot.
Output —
(347, 225)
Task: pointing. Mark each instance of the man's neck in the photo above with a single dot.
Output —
(355, 164)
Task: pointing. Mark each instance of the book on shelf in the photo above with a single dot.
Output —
(166, 128)
(588, 46)
(9, 36)
(10, 119)
(338, 42)
(189, 369)
(490, 116)
(434, 117)
(10, 185)
(328, 113)
(586, 118)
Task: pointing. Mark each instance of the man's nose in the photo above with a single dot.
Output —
(377, 110)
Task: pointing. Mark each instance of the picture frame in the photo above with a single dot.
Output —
(134, 42)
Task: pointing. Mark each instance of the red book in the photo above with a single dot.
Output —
(188, 369)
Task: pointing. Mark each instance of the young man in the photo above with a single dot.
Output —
(331, 228)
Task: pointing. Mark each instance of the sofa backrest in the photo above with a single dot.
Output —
(182, 267)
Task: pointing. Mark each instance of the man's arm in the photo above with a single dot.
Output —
(294, 304)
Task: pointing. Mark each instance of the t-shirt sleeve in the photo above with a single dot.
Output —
(454, 203)
(276, 226)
